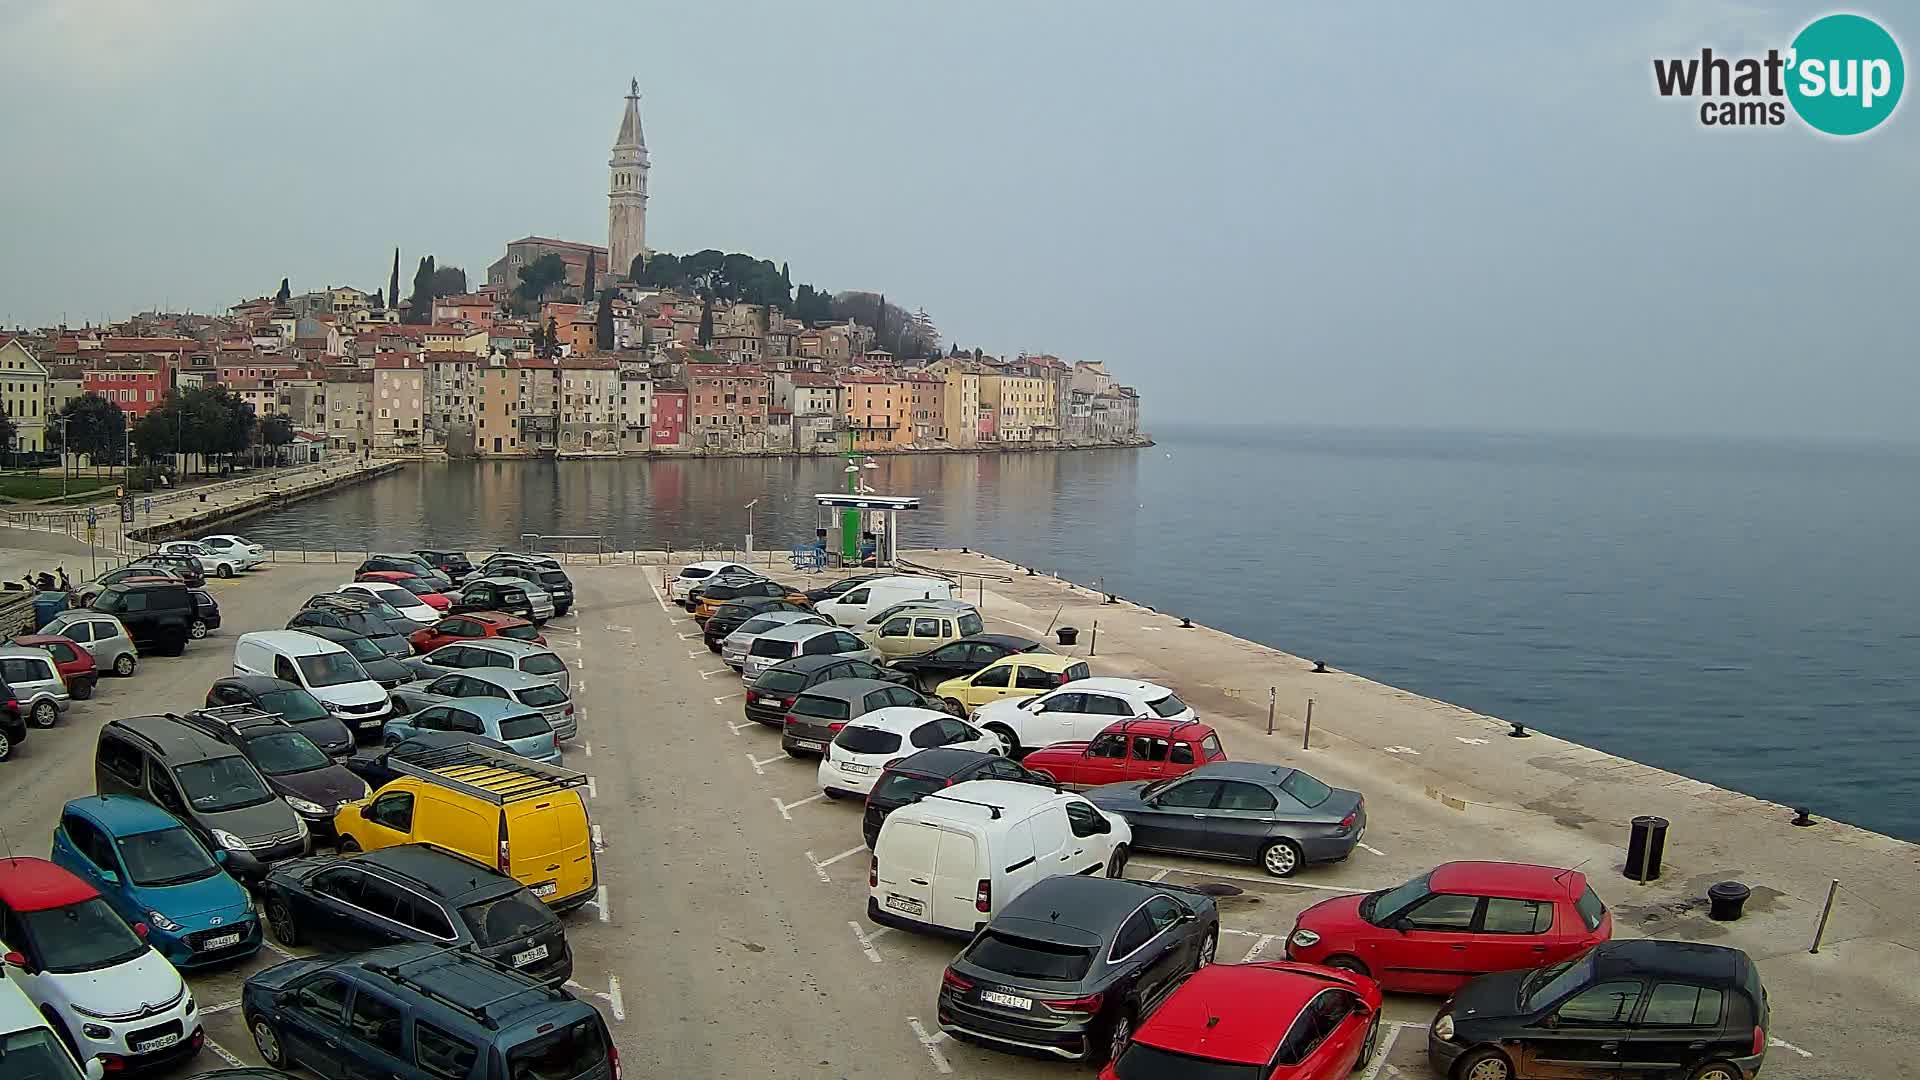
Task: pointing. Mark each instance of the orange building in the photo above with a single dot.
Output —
(879, 412)
(727, 406)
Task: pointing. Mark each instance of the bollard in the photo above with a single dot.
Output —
(1272, 692)
(1646, 846)
(1820, 931)
(1319, 667)
(1306, 734)
(1095, 642)
(1186, 623)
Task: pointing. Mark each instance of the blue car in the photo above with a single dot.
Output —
(151, 869)
(520, 727)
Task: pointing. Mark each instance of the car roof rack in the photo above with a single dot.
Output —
(995, 810)
(400, 975)
(230, 717)
(529, 779)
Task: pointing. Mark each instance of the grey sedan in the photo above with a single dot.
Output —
(1277, 817)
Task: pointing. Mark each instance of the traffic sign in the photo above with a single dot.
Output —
(126, 509)
(93, 517)
(149, 504)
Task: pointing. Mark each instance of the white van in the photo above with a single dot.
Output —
(945, 864)
(325, 668)
(41, 1053)
(858, 604)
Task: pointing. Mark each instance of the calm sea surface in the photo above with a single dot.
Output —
(1746, 613)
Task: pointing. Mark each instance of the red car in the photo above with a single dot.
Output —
(71, 659)
(1149, 749)
(413, 583)
(1454, 923)
(473, 624)
(1272, 1021)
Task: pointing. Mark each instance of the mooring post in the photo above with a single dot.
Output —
(1306, 734)
(1272, 693)
(1826, 910)
(1095, 643)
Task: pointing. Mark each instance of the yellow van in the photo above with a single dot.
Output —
(524, 817)
(1016, 676)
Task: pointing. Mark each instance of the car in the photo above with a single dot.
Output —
(864, 748)
(454, 564)
(712, 595)
(72, 659)
(1643, 1008)
(1458, 921)
(323, 668)
(425, 591)
(734, 644)
(151, 869)
(290, 702)
(245, 1072)
(833, 589)
(414, 893)
(527, 558)
(907, 780)
(28, 1043)
(518, 727)
(205, 783)
(99, 633)
(294, 766)
(498, 652)
(1273, 1019)
(185, 567)
(379, 665)
(398, 625)
(527, 818)
(211, 561)
(409, 606)
(206, 614)
(156, 613)
(1278, 818)
(238, 548)
(820, 711)
(104, 990)
(734, 614)
(860, 603)
(699, 590)
(963, 657)
(457, 1015)
(1078, 709)
(515, 596)
(87, 591)
(552, 579)
(506, 684)
(770, 695)
(1020, 675)
(1129, 750)
(35, 684)
(376, 766)
(804, 639)
(13, 727)
(1068, 967)
(694, 573)
(474, 625)
(953, 607)
(360, 623)
(413, 564)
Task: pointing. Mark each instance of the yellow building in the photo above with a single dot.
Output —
(879, 412)
(1022, 407)
(23, 394)
(959, 424)
(466, 339)
(497, 408)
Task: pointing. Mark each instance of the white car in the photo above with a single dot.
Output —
(402, 601)
(239, 548)
(856, 756)
(1077, 711)
(694, 573)
(215, 563)
(733, 647)
(92, 976)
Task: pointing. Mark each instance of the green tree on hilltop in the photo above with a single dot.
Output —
(420, 304)
(393, 280)
(284, 294)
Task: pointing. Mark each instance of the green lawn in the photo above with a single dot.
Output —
(23, 486)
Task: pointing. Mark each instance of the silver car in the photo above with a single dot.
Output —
(733, 647)
(803, 639)
(36, 684)
(495, 652)
(539, 599)
(100, 634)
(535, 692)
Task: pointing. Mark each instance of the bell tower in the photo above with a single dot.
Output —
(627, 190)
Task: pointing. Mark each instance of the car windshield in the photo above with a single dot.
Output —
(542, 696)
(1025, 958)
(1171, 705)
(560, 1055)
(165, 857)
(693, 573)
(416, 586)
(1556, 981)
(543, 664)
(393, 596)
(283, 753)
(362, 648)
(859, 739)
(522, 632)
(85, 936)
(824, 707)
(332, 669)
(776, 681)
(525, 726)
(35, 1053)
(382, 610)
(1389, 901)
(293, 705)
(227, 783)
(1142, 1062)
(1306, 789)
(504, 918)
(906, 787)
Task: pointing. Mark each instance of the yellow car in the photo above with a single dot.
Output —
(1017, 676)
(523, 817)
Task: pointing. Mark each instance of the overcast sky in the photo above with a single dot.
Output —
(1450, 216)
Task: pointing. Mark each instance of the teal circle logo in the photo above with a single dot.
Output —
(1846, 74)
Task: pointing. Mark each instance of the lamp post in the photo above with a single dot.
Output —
(750, 507)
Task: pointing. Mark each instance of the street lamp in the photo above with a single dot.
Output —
(750, 507)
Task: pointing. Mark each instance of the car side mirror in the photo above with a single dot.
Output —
(109, 877)
(220, 856)
(1361, 1008)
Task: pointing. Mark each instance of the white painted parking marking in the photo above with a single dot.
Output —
(760, 766)
(221, 1052)
(600, 904)
(931, 1042)
(820, 865)
(736, 728)
(599, 842)
(784, 807)
(715, 671)
(1160, 875)
(1259, 947)
(661, 600)
(866, 943)
(1380, 1052)
(282, 953)
(1469, 742)
(1280, 882)
(593, 791)
(588, 747)
(558, 629)
(611, 629)
(1785, 1045)
(690, 637)
(563, 643)
(611, 995)
(1400, 750)
(1373, 849)
(724, 698)
(695, 654)
(220, 1007)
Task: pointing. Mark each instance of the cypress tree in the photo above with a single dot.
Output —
(586, 290)
(393, 280)
(284, 294)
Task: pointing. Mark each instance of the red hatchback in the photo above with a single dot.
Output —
(1270, 1021)
(473, 624)
(72, 660)
(413, 583)
(1457, 922)
(1149, 749)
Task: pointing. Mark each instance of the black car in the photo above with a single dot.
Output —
(555, 581)
(185, 567)
(491, 596)
(1633, 1008)
(1276, 817)
(206, 613)
(361, 623)
(295, 768)
(829, 591)
(729, 578)
(918, 775)
(291, 702)
(454, 564)
(415, 893)
(769, 696)
(734, 614)
(376, 767)
(1070, 967)
(963, 657)
(13, 726)
(373, 656)
(159, 614)
(410, 564)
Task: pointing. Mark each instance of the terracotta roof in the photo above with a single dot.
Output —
(725, 371)
(813, 379)
(590, 363)
(146, 344)
(563, 244)
(395, 362)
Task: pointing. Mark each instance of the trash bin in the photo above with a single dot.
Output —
(1068, 634)
(45, 606)
(1725, 900)
(1646, 845)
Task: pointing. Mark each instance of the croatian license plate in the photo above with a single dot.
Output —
(522, 959)
(221, 942)
(374, 723)
(854, 768)
(905, 904)
(546, 890)
(151, 1045)
(809, 744)
(1011, 1001)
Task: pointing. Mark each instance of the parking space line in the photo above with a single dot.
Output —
(1373, 849)
(593, 790)
(694, 654)
(661, 600)
(599, 903)
(1259, 947)
(784, 807)
(931, 1043)
(715, 671)
(1785, 1045)
(866, 943)
(612, 629)
(588, 747)
(820, 865)
(220, 1007)
(282, 953)
(563, 629)
(563, 643)
(611, 995)
(761, 766)
(599, 842)
(737, 728)
(1160, 875)
(1281, 882)
(1380, 1053)
(724, 698)
(221, 1052)
(690, 637)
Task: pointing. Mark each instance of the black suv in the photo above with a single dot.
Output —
(454, 564)
(769, 696)
(918, 775)
(295, 704)
(295, 768)
(158, 614)
(185, 567)
(554, 580)
(734, 614)
(415, 892)
(355, 619)
(492, 596)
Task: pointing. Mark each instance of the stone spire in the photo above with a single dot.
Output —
(627, 190)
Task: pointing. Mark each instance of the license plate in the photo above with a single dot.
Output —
(373, 723)
(546, 890)
(854, 768)
(160, 1043)
(905, 904)
(522, 959)
(809, 744)
(1011, 1001)
(221, 942)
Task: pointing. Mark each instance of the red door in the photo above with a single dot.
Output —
(1433, 954)
(1516, 934)
(1147, 758)
(1104, 762)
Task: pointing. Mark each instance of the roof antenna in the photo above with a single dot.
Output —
(8, 839)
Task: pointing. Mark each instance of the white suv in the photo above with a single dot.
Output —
(1077, 711)
(865, 747)
(238, 548)
(694, 573)
(102, 987)
(216, 564)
